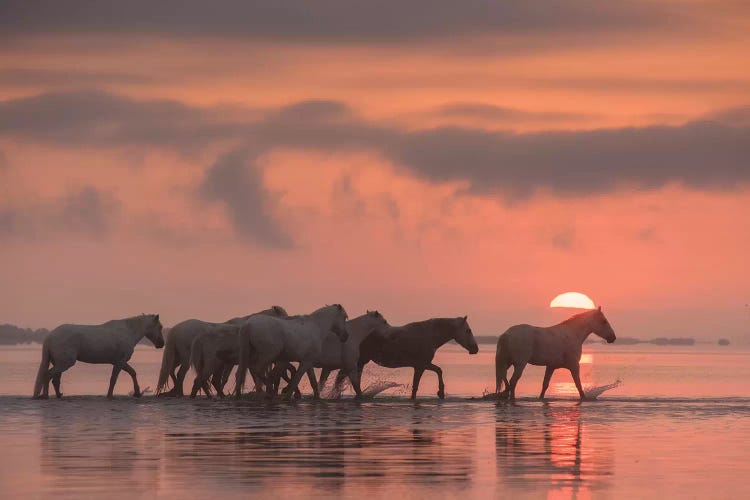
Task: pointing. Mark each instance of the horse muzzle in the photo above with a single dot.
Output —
(159, 345)
(609, 341)
(473, 349)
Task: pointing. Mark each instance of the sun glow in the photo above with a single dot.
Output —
(572, 299)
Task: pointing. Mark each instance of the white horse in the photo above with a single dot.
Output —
(264, 340)
(344, 356)
(557, 346)
(109, 343)
(215, 353)
(179, 342)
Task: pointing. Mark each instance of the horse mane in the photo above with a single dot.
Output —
(577, 317)
(427, 322)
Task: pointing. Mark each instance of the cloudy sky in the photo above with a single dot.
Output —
(425, 158)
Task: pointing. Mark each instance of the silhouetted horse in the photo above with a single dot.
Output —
(176, 358)
(111, 343)
(557, 346)
(414, 345)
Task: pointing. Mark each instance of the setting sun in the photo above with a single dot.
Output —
(572, 299)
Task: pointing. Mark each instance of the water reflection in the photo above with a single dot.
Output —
(85, 452)
(342, 448)
(549, 446)
(326, 446)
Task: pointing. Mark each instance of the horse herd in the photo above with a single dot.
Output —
(267, 343)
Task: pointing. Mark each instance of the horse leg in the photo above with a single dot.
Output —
(547, 376)
(294, 384)
(517, 372)
(181, 374)
(354, 379)
(288, 378)
(216, 378)
(226, 371)
(45, 385)
(56, 385)
(113, 380)
(196, 387)
(415, 381)
(324, 373)
(575, 372)
(136, 388)
(313, 383)
(54, 374)
(501, 376)
(439, 373)
(206, 388)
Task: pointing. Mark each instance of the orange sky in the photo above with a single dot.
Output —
(456, 162)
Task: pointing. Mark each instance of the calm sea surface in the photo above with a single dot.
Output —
(677, 425)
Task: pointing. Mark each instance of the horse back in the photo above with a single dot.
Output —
(533, 344)
(91, 343)
(398, 346)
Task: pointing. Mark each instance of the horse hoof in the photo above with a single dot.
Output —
(441, 394)
(137, 394)
(40, 397)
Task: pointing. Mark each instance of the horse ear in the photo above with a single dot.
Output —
(600, 308)
(156, 318)
(466, 318)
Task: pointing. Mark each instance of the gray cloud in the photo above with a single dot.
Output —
(71, 78)
(706, 154)
(102, 119)
(698, 154)
(235, 181)
(88, 211)
(737, 116)
(335, 20)
(490, 112)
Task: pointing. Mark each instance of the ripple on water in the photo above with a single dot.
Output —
(390, 445)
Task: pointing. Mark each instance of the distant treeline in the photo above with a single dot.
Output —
(11, 334)
(492, 339)
(656, 341)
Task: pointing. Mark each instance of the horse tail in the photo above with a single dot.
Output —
(245, 353)
(196, 356)
(198, 362)
(41, 374)
(501, 365)
(167, 362)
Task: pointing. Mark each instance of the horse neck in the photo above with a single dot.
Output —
(136, 328)
(324, 320)
(361, 326)
(579, 327)
(441, 330)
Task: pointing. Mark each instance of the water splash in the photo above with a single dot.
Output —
(145, 391)
(593, 392)
(379, 386)
(336, 391)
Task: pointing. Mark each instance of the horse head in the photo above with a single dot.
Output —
(279, 312)
(338, 319)
(464, 337)
(601, 327)
(154, 330)
(376, 319)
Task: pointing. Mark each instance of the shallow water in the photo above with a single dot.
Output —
(676, 426)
